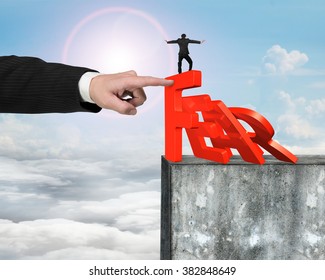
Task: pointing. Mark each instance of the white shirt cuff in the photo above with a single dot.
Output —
(84, 84)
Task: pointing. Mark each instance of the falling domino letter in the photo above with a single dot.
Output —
(221, 124)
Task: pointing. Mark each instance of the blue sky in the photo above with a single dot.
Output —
(88, 185)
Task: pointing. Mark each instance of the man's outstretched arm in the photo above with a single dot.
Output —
(196, 41)
(171, 42)
(31, 85)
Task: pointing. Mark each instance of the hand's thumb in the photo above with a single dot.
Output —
(122, 106)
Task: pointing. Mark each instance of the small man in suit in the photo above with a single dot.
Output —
(183, 50)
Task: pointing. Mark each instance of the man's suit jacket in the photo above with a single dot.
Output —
(31, 85)
(183, 44)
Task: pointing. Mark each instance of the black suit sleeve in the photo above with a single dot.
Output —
(194, 41)
(30, 85)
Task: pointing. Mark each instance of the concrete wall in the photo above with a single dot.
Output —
(243, 211)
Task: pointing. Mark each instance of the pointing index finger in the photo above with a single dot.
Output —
(144, 81)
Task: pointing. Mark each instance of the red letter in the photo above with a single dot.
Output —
(263, 133)
(228, 132)
(175, 118)
(220, 124)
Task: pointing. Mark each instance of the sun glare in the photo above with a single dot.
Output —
(119, 39)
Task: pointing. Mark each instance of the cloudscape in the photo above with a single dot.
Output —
(87, 186)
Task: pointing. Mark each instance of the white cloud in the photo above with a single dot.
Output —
(312, 107)
(76, 137)
(279, 61)
(318, 85)
(309, 150)
(136, 212)
(123, 196)
(66, 239)
(18, 172)
(316, 106)
(250, 82)
(24, 137)
(286, 97)
(297, 127)
(294, 122)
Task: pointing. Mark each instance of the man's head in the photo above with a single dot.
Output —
(183, 36)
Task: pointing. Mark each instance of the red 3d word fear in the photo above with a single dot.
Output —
(221, 124)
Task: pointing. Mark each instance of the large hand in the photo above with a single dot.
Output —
(122, 92)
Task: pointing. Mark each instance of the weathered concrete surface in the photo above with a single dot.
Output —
(243, 211)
